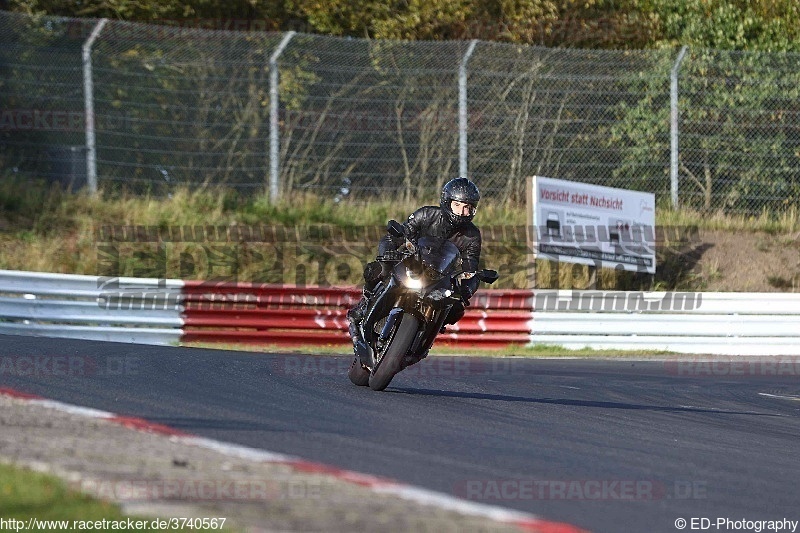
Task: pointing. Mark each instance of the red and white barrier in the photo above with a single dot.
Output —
(281, 315)
(153, 311)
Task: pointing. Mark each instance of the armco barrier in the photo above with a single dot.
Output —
(168, 311)
(140, 310)
(706, 323)
(269, 314)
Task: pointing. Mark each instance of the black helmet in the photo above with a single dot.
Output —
(459, 190)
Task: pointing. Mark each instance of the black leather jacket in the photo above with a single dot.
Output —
(429, 221)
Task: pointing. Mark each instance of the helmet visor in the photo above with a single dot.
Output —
(462, 209)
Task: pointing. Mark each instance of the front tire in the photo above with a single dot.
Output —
(358, 374)
(389, 363)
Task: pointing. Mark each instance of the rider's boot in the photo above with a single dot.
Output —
(356, 314)
(358, 311)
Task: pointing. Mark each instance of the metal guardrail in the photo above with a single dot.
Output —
(156, 311)
(702, 323)
(133, 310)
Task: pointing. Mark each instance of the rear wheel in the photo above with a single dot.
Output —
(358, 374)
(389, 363)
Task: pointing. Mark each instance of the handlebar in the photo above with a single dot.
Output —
(407, 249)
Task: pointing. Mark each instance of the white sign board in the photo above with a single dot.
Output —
(592, 225)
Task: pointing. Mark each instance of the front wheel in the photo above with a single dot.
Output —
(389, 363)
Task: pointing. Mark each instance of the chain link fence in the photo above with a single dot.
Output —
(356, 118)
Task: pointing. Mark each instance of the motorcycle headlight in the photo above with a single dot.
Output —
(413, 283)
(412, 280)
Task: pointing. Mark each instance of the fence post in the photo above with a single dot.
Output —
(462, 110)
(274, 167)
(88, 102)
(673, 104)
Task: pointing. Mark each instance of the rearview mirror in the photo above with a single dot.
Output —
(395, 229)
(488, 276)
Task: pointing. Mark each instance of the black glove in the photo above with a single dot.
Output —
(467, 289)
(465, 292)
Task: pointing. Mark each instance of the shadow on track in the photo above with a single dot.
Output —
(568, 402)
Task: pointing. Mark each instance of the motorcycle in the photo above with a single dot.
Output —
(409, 307)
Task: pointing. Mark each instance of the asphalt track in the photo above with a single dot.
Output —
(611, 445)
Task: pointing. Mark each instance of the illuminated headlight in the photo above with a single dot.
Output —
(413, 280)
(413, 283)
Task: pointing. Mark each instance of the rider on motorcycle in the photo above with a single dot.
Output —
(451, 220)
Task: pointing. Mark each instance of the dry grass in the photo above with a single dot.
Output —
(45, 229)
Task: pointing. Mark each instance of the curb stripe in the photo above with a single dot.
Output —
(523, 521)
(141, 424)
(19, 395)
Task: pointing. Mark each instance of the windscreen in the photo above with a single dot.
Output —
(438, 254)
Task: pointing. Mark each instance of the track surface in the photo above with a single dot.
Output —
(610, 446)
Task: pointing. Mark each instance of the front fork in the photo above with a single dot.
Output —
(394, 315)
(432, 317)
(399, 302)
(366, 354)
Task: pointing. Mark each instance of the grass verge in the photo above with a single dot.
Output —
(45, 229)
(27, 495)
(537, 350)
